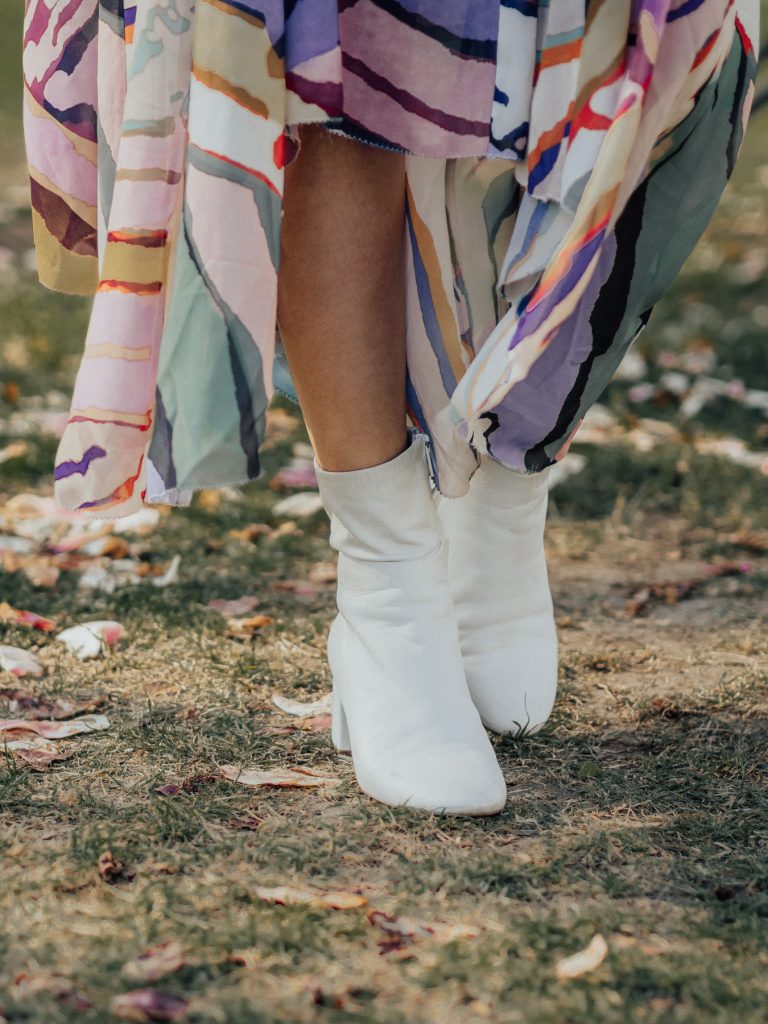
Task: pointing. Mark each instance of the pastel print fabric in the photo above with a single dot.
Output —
(562, 160)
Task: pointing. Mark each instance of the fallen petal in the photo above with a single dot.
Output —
(404, 928)
(235, 607)
(170, 575)
(14, 450)
(300, 473)
(19, 662)
(284, 894)
(299, 588)
(56, 730)
(323, 572)
(301, 708)
(288, 777)
(141, 522)
(584, 961)
(148, 1004)
(156, 962)
(35, 751)
(19, 617)
(305, 503)
(89, 639)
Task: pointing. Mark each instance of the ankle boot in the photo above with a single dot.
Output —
(401, 706)
(498, 577)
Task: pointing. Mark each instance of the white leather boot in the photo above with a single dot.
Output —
(400, 700)
(498, 576)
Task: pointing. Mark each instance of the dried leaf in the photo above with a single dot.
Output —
(241, 628)
(655, 593)
(584, 961)
(78, 541)
(19, 662)
(112, 870)
(189, 785)
(248, 823)
(402, 930)
(317, 723)
(156, 962)
(56, 730)
(729, 568)
(14, 450)
(148, 1004)
(142, 522)
(323, 572)
(288, 777)
(284, 894)
(251, 533)
(750, 540)
(235, 607)
(89, 639)
(169, 575)
(36, 751)
(40, 707)
(299, 588)
(301, 708)
(18, 617)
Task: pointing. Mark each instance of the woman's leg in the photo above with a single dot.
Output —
(341, 301)
(401, 706)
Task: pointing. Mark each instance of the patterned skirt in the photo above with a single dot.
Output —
(562, 159)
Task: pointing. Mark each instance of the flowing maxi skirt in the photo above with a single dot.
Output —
(562, 159)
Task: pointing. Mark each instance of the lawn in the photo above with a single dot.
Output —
(640, 814)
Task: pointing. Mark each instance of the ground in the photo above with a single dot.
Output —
(640, 814)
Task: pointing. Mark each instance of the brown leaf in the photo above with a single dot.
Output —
(156, 962)
(248, 823)
(188, 785)
(317, 723)
(280, 777)
(284, 894)
(39, 707)
(661, 707)
(40, 570)
(586, 960)
(111, 870)
(56, 730)
(323, 572)
(251, 533)
(750, 540)
(403, 930)
(664, 593)
(148, 1004)
(729, 568)
(14, 450)
(243, 628)
(35, 751)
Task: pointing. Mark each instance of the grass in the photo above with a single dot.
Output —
(639, 812)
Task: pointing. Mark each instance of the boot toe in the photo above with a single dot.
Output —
(459, 780)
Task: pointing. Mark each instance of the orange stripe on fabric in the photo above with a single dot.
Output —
(562, 54)
(430, 260)
(550, 138)
(131, 287)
